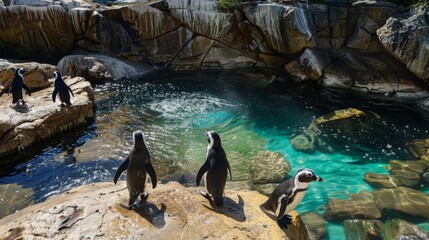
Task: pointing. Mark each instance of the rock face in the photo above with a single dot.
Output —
(268, 167)
(400, 229)
(36, 77)
(98, 68)
(364, 205)
(406, 37)
(35, 32)
(92, 211)
(40, 118)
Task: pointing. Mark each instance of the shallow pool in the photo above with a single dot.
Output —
(249, 112)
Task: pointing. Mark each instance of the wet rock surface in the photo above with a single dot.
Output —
(419, 148)
(315, 224)
(363, 229)
(14, 198)
(371, 205)
(39, 119)
(401, 229)
(326, 132)
(268, 167)
(92, 211)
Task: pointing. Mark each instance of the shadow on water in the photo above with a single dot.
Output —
(153, 214)
(230, 208)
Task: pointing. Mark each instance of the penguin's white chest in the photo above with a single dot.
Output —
(297, 200)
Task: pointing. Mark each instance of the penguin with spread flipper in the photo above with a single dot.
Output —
(138, 165)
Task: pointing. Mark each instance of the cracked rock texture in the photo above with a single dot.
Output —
(171, 212)
(40, 119)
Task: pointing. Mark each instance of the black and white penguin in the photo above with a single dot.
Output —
(61, 88)
(288, 195)
(138, 165)
(216, 166)
(17, 85)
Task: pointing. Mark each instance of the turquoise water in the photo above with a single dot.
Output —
(249, 113)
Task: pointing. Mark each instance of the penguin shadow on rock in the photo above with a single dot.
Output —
(16, 88)
(287, 196)
(215, 169)
(138, 166)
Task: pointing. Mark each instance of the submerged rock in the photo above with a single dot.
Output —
(403, 200)
(363, 229)
(99, 68)
(40, 119)
(419, 148)
(92, 211)
(381, 180)
(408, 173)
(328, 132)
(359, 206)
(371, 205)
(268, 167)
(315, 223)
(14, 197)
(400, 229)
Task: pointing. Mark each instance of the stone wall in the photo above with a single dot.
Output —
(180, 34)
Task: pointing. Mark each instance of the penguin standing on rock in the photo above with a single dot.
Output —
(288, 195)
(217, 167)
(17, 85)
(138, 165)
(61, 88)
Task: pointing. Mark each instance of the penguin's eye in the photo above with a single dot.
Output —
(308, 175)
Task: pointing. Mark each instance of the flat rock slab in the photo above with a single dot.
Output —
(172, 212)
(40, 118)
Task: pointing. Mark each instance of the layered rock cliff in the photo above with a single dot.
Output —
(193, 34)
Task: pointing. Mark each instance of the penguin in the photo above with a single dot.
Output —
(17, 85)
(62, 89)
(216, 166)
(138, 166)
(288, 195)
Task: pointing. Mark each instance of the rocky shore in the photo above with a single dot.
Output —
(172, 211)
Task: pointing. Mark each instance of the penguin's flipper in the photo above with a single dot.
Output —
(229, 169)
(54, 94)
(283, 205)
(26, 89)
(70, 91)
(151, 171)
(201, 172)
(121, 169)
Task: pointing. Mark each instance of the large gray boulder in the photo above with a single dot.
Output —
(99, 68)
(406, 37)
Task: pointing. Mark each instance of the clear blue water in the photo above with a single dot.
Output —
(249, 113)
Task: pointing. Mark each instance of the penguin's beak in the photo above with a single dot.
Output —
(317, 178)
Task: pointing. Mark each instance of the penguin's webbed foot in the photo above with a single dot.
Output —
(284, 221)
(144, 196)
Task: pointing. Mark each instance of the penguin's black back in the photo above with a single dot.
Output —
(286, 188)
(16, 88)
(216, 176)
(63, 90)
